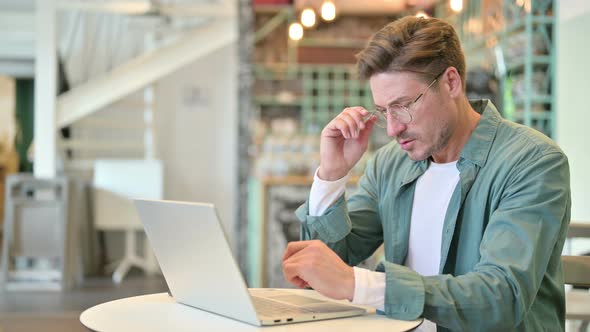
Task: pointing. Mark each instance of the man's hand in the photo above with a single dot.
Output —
(312, 263)
(343, 142)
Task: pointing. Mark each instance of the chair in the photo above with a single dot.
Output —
(116, 182)
(576, 270)
(37, 232)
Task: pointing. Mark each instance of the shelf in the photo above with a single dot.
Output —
(535, 99)
(516, 26)
(295, 180)
(526, 37)
(270, 9)
(480, 44)
(274, 100)
(537, 60)
(519, 115)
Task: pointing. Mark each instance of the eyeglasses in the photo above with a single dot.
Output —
(399, 112)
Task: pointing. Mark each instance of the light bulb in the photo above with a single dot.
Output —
(457, 5)
(308, 17)
(421, 14)
(328, 11)
(295, 31)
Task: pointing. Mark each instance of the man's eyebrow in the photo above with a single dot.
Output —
(395, 101)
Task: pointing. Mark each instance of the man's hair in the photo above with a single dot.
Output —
(422, 45)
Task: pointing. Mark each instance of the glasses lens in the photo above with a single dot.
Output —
(400, 113)
(381, 120)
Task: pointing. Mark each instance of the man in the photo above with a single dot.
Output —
(472, 209)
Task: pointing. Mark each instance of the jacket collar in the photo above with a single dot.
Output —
(477, 148)
(479, 144)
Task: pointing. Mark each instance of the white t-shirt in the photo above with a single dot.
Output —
(432, 195)
(431, 199)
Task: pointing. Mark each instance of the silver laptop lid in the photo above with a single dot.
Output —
(192, 250)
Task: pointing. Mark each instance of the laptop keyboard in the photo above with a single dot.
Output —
(273, 308)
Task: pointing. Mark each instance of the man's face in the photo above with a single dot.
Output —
(433, 116)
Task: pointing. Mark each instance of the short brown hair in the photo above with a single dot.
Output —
(421, 45)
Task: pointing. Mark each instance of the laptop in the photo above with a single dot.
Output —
(191, 247)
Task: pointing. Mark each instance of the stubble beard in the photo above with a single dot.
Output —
(441, 142)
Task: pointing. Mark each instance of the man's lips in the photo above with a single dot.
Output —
(405, 143)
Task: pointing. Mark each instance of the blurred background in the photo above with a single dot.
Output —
(223, 102)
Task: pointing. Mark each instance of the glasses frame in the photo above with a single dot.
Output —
(382, 113)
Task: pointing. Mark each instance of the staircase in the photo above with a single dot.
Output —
(112, 63)
(123, 130)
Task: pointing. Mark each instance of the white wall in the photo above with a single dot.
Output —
(196, 132)
(573, 108)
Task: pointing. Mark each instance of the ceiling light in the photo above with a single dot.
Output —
(457, 5)
(328, 11)
(295, 31)
(308, 17)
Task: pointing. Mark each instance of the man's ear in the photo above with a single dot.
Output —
(452, 82)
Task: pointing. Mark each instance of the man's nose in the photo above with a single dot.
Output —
(395, 127)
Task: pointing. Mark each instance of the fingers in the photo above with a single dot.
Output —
(296, 271)
(351, 127)
(349, 122)
(353, 116)
(318, 266)
(369, 124)
(296, 261)
(358, 114)
(300, 283)
(292, 275)
(294, 247)
(370, 117)
(293, 271)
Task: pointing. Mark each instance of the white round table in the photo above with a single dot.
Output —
(159, 312)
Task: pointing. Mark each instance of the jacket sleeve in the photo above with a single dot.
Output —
(524, 233)
(352, 228)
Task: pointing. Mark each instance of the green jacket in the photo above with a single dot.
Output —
(502, 237)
